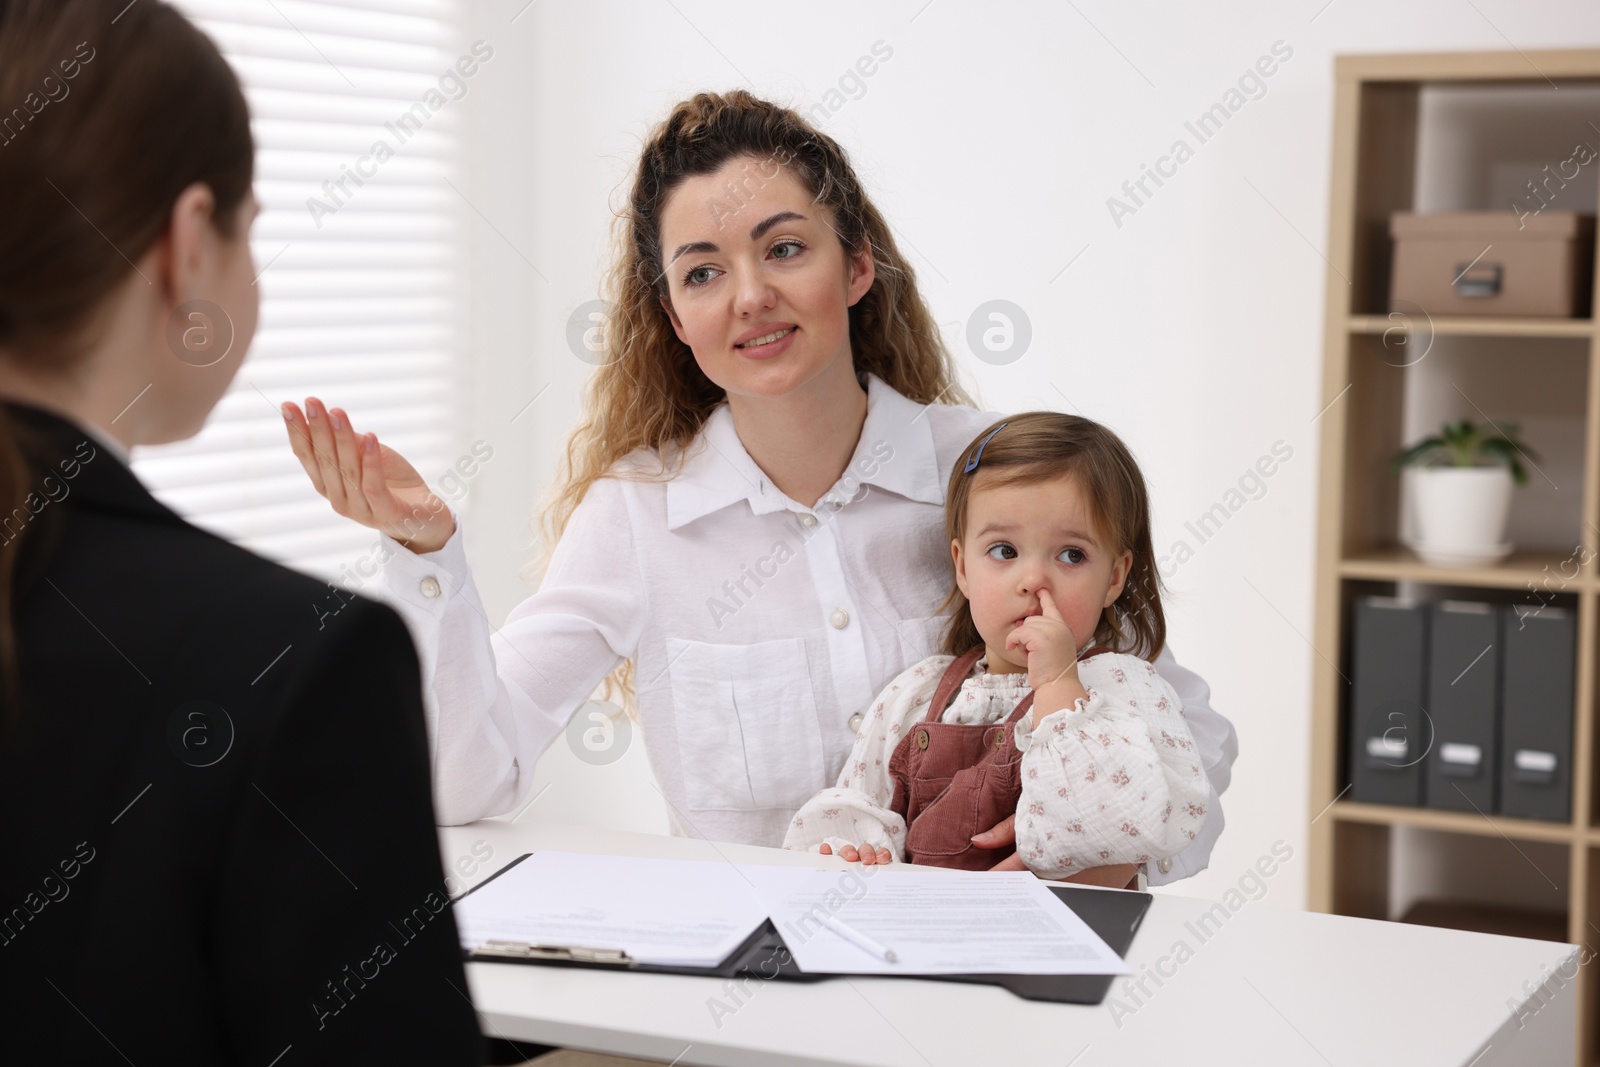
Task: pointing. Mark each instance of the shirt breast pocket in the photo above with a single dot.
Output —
(746, 720)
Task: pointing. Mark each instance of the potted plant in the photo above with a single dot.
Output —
(1463, 491)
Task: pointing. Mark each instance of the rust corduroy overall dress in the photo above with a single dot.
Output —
(954, 780)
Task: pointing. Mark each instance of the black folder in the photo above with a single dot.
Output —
(1464, 701)
(1390, 730)
(1114, 914)
(1536, 717)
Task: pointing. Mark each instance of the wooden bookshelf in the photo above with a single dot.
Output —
(1380, 123)
(1542, 926)
(1394, 563)
(1446, 326)
(1456, 822)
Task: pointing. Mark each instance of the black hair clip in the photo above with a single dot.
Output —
(972, 464)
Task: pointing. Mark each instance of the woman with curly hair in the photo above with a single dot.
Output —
(749, 517)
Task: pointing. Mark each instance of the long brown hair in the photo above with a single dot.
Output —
(1040, 446)
(649, 392)
(115, 109)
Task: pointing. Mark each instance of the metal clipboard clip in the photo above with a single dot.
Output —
(521, 950)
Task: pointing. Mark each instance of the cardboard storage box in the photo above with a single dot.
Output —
(1493, 263)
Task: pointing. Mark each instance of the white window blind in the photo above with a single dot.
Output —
(359, 304)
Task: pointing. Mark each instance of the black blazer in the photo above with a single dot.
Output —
(217, 840)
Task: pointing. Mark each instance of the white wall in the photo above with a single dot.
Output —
(991, 139)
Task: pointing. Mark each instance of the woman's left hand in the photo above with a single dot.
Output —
(1115, 875)
(1000, 835)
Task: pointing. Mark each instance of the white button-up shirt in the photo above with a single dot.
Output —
(759, 628)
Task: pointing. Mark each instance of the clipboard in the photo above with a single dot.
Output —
(1115, 915)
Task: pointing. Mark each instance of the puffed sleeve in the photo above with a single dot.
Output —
(856, 810)
(1218, 745)
(1114, 779)
(497, 697)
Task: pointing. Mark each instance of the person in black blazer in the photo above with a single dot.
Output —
(217, 827)
(217, 837)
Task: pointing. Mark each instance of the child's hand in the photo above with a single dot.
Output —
(865, 854)
(1051, 646)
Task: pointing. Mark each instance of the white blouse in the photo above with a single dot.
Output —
(760, 629)
(1113, 779)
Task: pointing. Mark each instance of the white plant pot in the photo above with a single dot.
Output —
(1462, 514)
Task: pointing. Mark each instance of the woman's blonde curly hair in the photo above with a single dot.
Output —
(649, 392)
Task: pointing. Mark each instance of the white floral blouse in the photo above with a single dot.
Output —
(1114, 779)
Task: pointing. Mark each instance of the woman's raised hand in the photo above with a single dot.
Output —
(364, 480)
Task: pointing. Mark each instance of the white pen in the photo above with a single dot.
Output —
(858, 939)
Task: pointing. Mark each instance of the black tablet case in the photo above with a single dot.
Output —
(1113, 914)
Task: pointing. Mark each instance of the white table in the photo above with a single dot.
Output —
(1267, 986)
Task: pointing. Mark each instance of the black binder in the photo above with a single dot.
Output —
(1113, 914)
(1464, 700)
(1390, 730)
(1536, 720)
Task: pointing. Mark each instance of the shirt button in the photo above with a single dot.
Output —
(807, 519)
(1164, 866)
(429, 586)
(855, 722)
(839, 619)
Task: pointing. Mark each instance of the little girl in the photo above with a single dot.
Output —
(1045, 703)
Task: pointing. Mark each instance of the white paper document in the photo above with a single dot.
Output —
(670, 912)
(936, 922)
(694, 913)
